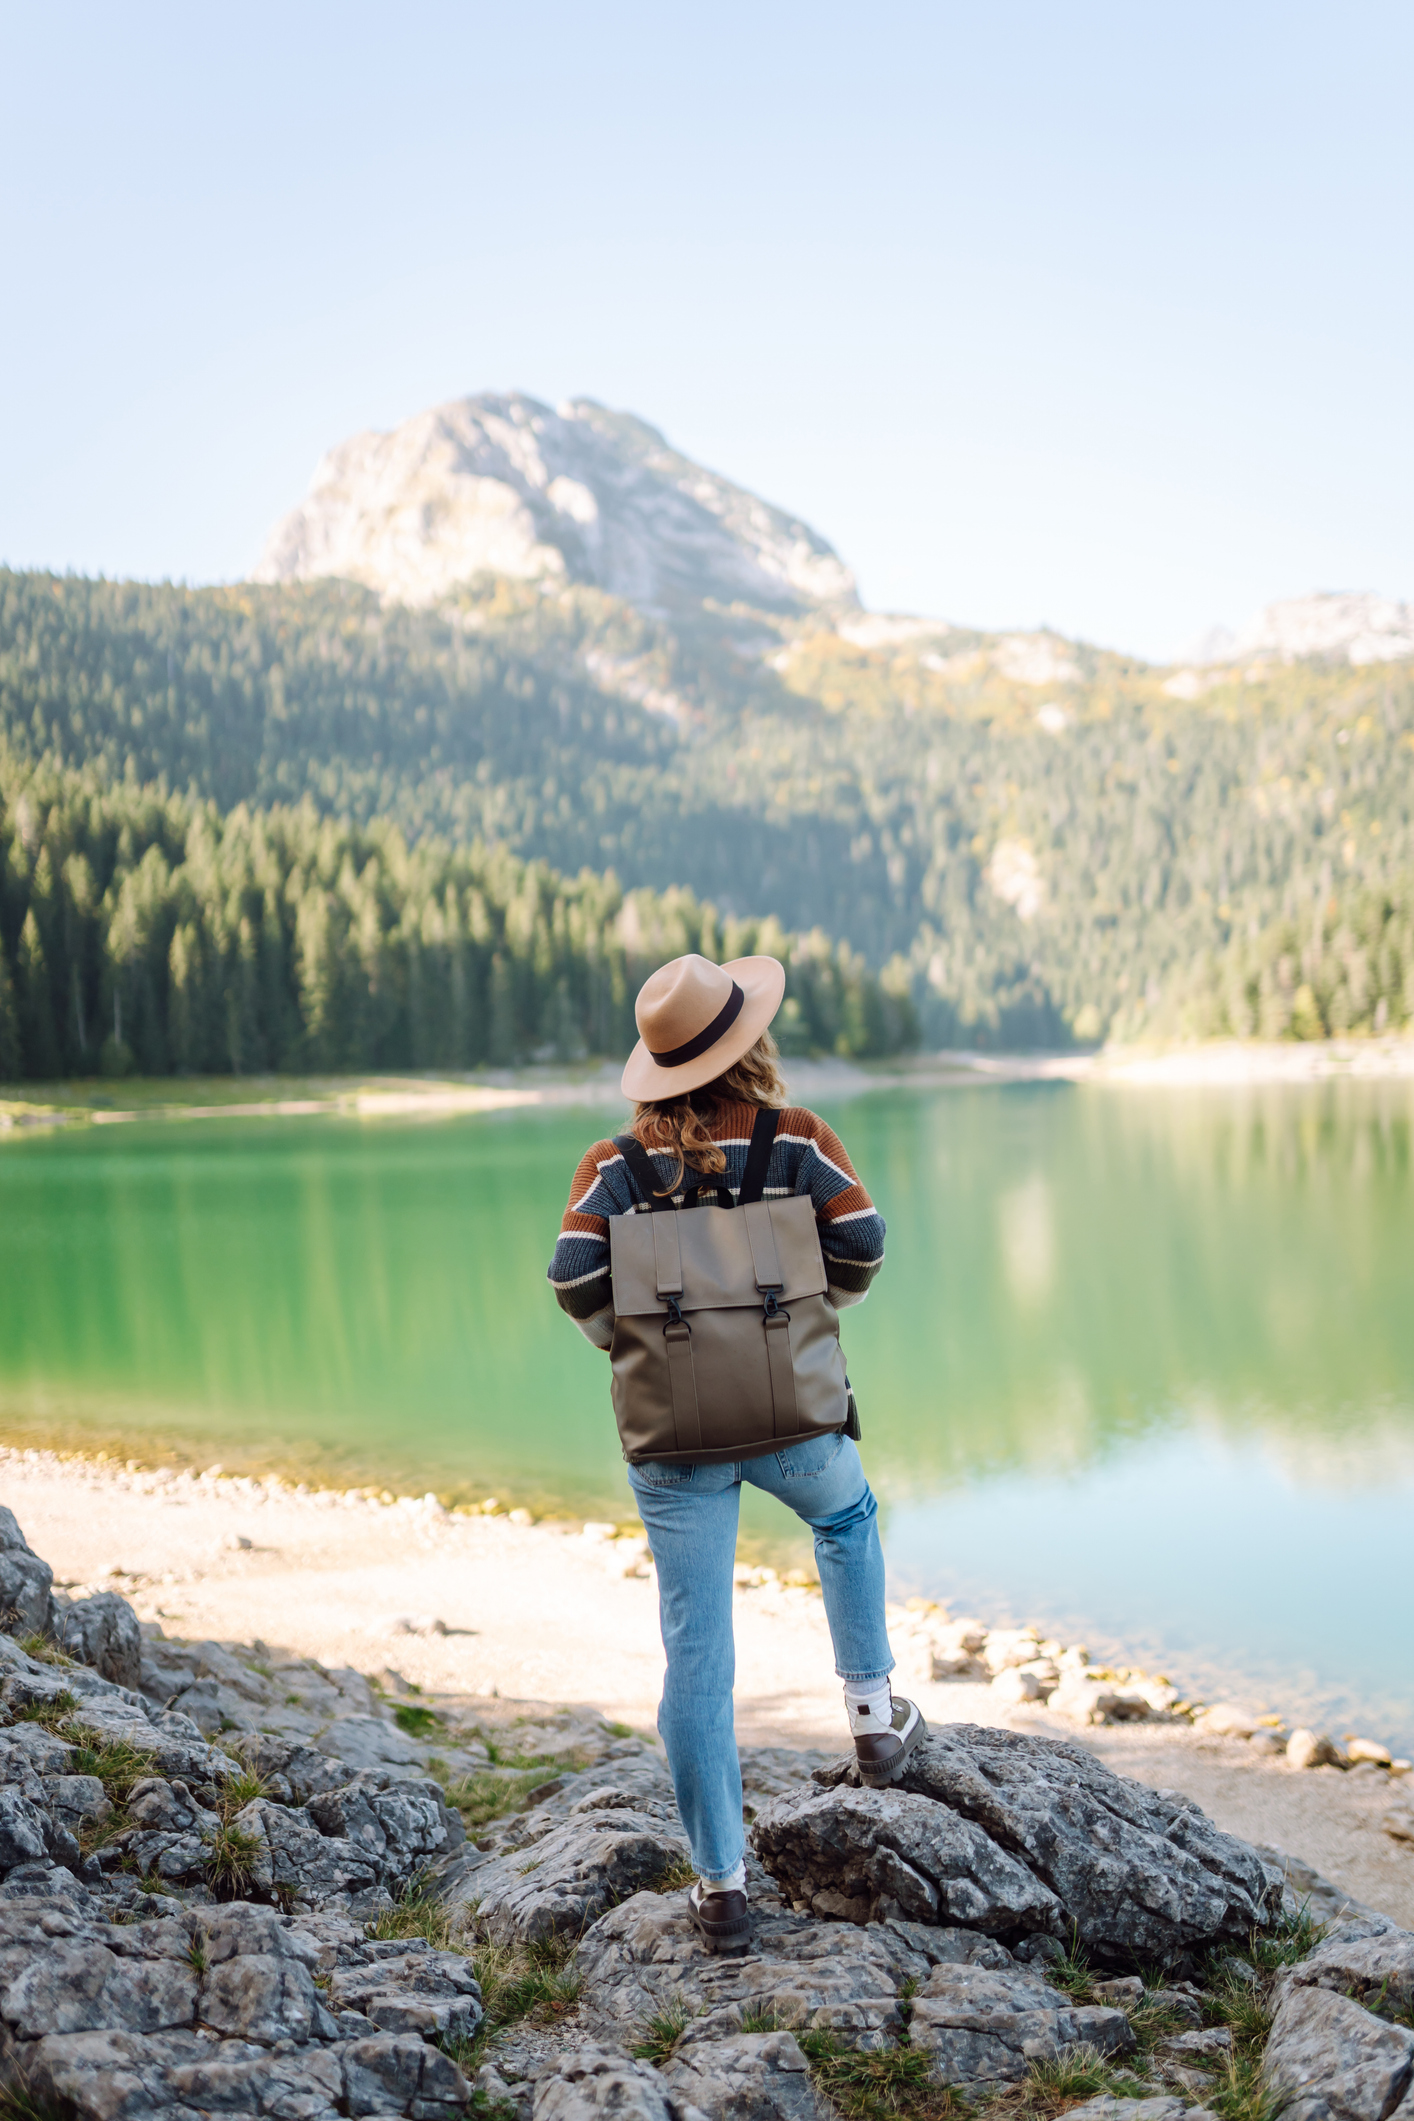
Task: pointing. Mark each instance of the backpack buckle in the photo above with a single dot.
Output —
(771, 1310)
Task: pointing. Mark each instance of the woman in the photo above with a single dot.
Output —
(704, 1067)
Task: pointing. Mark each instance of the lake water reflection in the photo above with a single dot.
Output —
(1141, 1364)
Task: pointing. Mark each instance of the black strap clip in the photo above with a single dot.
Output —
(675, 1317)
(772, 1309)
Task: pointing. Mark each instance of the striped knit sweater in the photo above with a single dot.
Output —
(807, 1157)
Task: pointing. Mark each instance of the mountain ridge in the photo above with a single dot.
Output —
(504, 484)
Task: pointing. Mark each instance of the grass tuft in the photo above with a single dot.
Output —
(661, 2033)
(116, 1763)
(417, 1721)
(519, 1981)
(677, 1876)
(51, 1714)
(19, 2103)
(416, 1913)
(241, 1790)
(43, 1651)
(869, 2084)
(1291, 1937)
(482, 1798)
(230, 1862)
(1074, 1972)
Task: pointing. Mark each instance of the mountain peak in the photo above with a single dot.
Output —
(577, 493)
(1342, 626)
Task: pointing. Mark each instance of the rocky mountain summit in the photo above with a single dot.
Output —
(233, 1882)
(1331, 625)
(577, 493)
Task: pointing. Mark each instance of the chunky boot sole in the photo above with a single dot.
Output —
(882, 1774)
(727, 1931)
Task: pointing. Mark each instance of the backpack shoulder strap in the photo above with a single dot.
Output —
(640, 1166)
(758, 1156)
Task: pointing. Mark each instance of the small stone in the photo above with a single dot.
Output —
(1225, 1720)
(1015, 1685)
(1366, 1749)
(1311, 1749)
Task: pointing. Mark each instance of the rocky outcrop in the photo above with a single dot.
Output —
(572, 494)
(26, 1600)
(237, 2008)
(102, 1631)
(189, 1865)
(1009, 1834)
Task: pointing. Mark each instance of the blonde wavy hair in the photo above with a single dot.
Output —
(684, 1124)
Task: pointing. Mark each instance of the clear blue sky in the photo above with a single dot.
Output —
(1097, 314)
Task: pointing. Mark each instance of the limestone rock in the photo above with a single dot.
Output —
(569, 1875)
(102, 1632)
(26, 1603)
(432, 1993)
(578, 494)
(401, 1826)
(364, 1742)
(22, 1831)
(1312, 1749)
(1377, 1970)
(802, 1973)
(1224, 1719)
(1329, 2059)
(984, 2028)
(1139, 1872)
(292, 1856)
(748, 2077)
(593, 2081)
(863, 1855)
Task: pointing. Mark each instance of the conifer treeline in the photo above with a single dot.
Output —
(145, 930)
(1345, 965)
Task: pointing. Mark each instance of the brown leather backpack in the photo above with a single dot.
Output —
(725, 1344)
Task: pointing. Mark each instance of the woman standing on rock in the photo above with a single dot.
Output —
(723, 1332)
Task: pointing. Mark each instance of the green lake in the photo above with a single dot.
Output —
(1140, 1364)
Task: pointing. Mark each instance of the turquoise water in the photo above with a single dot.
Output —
(1140, 1365)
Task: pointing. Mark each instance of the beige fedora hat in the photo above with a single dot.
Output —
(695, 1018)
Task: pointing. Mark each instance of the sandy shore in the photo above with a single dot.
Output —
(545, 1613)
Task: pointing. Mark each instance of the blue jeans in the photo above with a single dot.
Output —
(690, 1515)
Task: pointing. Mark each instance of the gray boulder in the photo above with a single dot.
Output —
(423, 1991)
(864, 1855)
(984, 2029)
(750, 2077)
(103, 1633)
(1139, 1873)
(1329, 2059)
(1377, 1969)
(593, 2081)
(401, 1825)
(291, 1857)
(563, 1880)
(26, 1583)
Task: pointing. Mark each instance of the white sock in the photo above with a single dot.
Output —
(734, 1882)
(870, 1706)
